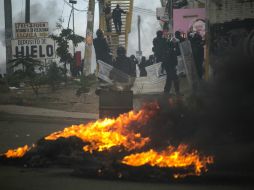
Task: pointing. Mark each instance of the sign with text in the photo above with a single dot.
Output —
(39, 48)
(31, 30)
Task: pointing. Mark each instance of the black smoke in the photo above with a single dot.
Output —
(217, 119)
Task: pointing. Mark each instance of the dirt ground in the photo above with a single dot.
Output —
(64, 98)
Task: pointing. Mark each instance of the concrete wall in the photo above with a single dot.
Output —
(221, 11)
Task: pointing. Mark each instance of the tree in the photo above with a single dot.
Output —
(25, 71)
(62, 40)
(54, 75)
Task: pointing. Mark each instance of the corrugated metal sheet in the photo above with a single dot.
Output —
(221, 11)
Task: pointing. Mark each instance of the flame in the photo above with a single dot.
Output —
(171, 158)
(17, 153)
(107, 133)
(122, 131)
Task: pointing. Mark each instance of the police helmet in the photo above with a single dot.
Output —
(99, 32)
(121, 51)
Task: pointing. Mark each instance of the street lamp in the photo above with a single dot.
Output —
(72, 1)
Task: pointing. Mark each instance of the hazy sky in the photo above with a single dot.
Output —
(51, 10)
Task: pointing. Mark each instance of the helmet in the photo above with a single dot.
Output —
(159, 33)
(99, 32)
(121, 51)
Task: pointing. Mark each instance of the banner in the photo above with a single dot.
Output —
(31, 30)
(154, 71)
(186, 20)
(39, 48)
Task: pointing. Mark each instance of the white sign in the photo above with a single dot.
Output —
(38, 48)
(161, 14)
(31, 30)
(104, 71)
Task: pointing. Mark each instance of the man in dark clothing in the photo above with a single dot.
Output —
(170, 67)
(134, 62)
(197, 45)
(108, 16)
(150, 60)
(179, 36)
(159, 47)
(116, 15)
(142, 67)
(122, 62)
(101, 47)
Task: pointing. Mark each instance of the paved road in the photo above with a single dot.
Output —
(19, 130)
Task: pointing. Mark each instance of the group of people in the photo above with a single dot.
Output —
(116, 15)
(121, 62)
(165, 51)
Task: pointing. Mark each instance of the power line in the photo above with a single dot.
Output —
(145, 10)
(142, 13)
(63, 9)
(74, 7)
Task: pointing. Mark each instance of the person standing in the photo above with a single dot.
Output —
(117, 18)
(101, 47)
(108, 16)
(197, 45)
(122, 62)
(170, 67)
(159, 47)
(142, 67)
(179, 36)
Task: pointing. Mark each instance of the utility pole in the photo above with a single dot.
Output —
(8, 33)
(27, 17)
(73, 28)
(89, 38)
(139, 52)
(170, 16)
(73, 25)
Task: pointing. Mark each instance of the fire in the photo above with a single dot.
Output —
(123, 131)
(171, 158)
(107, 133)
(17, 153)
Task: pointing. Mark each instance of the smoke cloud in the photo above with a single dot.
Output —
(149, 26)
(2, 37)
(47, 11)
(217, 118)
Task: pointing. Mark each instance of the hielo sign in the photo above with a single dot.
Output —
(37, 48)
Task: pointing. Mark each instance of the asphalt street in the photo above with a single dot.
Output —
(17, 131)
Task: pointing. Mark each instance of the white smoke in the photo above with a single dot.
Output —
(44, 11)
(149, 26)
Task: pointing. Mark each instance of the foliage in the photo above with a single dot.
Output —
(25, 72)
(3, 85)
(62, 40)
(85, 83)
(55, 75)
